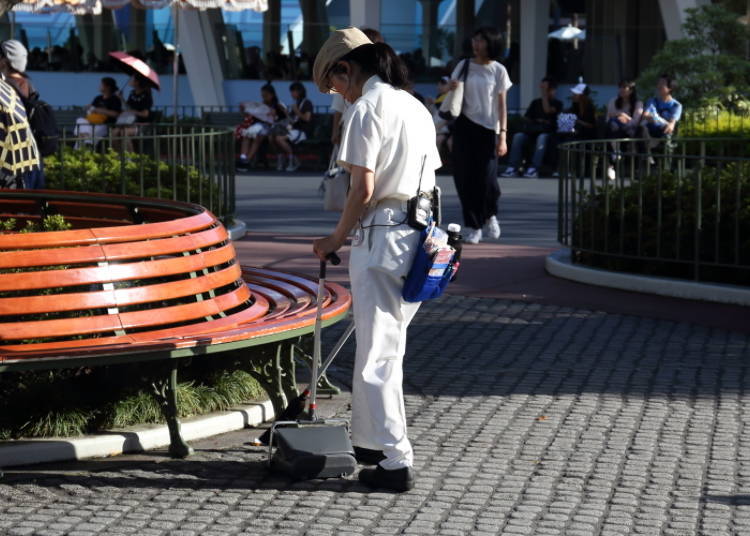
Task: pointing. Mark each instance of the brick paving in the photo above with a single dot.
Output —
(527, 419)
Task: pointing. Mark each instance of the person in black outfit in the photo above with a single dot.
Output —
(539, 125)
(103, 111)
(300, 118)
(139, 104)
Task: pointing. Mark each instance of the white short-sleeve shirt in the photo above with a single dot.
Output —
(390, 132)
(482, 89)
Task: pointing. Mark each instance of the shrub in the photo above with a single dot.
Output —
(709, 64)
(668, 247)
(714, 123)
(79, 401)
(84, 170)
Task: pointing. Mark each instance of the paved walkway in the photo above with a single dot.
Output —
(536, 407)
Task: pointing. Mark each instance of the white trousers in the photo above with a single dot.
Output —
(379, 262)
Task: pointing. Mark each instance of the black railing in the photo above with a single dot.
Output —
(676, 208)
(183, 163)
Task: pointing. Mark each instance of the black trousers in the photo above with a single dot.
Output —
(475, 171)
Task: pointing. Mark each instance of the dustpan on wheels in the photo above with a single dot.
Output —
(312, 447)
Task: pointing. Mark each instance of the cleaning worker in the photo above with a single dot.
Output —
(388, 145)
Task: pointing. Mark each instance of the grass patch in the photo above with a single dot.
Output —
(76, 402)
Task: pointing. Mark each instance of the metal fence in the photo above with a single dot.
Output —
(182, 163)
(677, 208)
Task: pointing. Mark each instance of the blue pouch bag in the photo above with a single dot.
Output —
(430, 273)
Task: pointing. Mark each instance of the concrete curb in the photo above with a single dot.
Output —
(237, 230)
(31, 451)
(559, 264)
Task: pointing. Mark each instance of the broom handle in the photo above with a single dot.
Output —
(317, 335)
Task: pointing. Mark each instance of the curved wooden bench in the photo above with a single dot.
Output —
(145, 280)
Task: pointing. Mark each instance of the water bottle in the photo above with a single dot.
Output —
(455, 241)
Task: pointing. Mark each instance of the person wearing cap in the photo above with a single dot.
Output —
(583, 107)
(13, 59)
(20, 165)
(479, 135)
(388, 145)
(338, 104)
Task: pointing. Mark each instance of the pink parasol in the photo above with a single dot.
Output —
(133, 65)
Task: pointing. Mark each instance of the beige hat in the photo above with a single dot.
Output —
(338, 45)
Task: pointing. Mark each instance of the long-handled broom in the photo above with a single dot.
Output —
(297, 406)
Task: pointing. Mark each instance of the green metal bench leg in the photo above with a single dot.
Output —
(165, 391)
(269, 373)
(288, 370)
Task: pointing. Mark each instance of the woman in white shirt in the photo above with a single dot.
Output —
(388, 145)
(479, 135)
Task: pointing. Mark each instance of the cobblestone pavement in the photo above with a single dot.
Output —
(526, 420)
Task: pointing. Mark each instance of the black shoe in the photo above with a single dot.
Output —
(368, 456)
(395, 479)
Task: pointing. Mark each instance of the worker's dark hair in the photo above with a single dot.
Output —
(110, 83)
(300, 88)
(379, 59)
(551, 82)
(494, 41)
(373, 35)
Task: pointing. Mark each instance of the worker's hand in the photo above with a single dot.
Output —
(322, 247)
(502, 146)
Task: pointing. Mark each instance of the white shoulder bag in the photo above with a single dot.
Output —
(335, 185)
(450, 109)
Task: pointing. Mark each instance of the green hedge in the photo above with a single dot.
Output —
(714, 124)
(725, 192)
(85, 170)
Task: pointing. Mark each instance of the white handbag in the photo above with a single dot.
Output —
(451, 106)
(335, 185)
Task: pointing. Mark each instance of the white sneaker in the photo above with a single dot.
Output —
(473, 236)
(280, 162)
(293, 164)
(510, 171)
(611, 173)
(492, 228)
(531, 173)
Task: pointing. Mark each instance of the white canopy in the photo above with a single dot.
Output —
(567, 33)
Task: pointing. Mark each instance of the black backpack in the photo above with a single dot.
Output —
(43, 124)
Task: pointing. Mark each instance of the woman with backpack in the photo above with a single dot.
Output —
(13, 60)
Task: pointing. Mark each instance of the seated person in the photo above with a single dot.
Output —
(259, 129)
(300, 117)
(623, 118)
(101, 114)
(662, 112)
(138, 110)
(540, 123)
